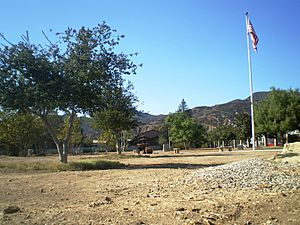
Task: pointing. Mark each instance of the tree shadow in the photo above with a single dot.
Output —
(290, 154)
(192, 155)
(171, 166)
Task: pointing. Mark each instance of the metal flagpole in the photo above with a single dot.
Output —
(251, 88)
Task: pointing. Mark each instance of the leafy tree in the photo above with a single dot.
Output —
(213, 137)
(20, 131)
(117, 118)
(225, 133)
(184, 130)
(108, 138)
(243, 126)
(278, 113)
(164, 134)
(77, 74)
(77, 136)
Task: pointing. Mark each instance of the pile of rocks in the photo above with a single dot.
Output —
(250, 173)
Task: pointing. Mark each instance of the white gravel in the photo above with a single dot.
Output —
(250, 173)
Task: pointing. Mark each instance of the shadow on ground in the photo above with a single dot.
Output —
(187, 155)
(171, 166)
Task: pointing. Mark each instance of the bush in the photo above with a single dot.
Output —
(82, 165)
(93, 164)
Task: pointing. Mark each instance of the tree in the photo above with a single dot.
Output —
(117, 118)
(278, 113)
(164, 134)
(225, 133)
(20, 132)
(108, 138)
(77, 136)
(243, 126)
(184, 130)
(77, 74)
(183, 106)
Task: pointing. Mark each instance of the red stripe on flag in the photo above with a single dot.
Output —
(253, 35)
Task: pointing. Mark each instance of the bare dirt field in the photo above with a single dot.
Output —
(150, 190)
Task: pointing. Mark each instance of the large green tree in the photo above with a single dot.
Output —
(184, 130)
(118, 118)
(77, 74)
(225, 133)
(20, 132)
(278, 113)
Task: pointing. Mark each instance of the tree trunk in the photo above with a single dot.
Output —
(267, 139)
(118, 144)
(282, 139)
(61, 146)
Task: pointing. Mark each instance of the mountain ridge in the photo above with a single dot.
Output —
(208, 116)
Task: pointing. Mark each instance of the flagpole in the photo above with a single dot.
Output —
(251, 88)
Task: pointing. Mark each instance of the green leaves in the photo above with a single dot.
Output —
(20, 131)
(184, 130)
(80, 73)
(279, 112)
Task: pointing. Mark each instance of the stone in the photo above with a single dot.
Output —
(11, 209)
(180, 209)
(108, 200)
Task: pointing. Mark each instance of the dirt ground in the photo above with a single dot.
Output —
(149, 191)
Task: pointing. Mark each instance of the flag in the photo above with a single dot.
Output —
(253, 35)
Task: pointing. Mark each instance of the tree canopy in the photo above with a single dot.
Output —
(20, 132)
(279, 112)
(117, 117)
(182, 106)
(77, 74)
(184, 130)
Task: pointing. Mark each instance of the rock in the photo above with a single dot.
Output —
(11, 209)
(180, 209)
(196, 210)
(108, 200)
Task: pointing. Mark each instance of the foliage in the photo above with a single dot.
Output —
(117, 119)
(108, 138)
(77, 137)
(164, 134)
(78, 74)
(279, 112)
(20, 132)
(182, 106)
(184, 130)
(243, 126)
(224, 133)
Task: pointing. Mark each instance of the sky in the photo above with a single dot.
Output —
(190, 49)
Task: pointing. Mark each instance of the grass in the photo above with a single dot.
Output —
(80, 165)
(123, 156)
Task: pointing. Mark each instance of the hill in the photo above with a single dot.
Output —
(225, 113)
(209, 116)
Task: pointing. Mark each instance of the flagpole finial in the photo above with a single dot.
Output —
(246, 13)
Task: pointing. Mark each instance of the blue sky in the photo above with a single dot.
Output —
(191, 49)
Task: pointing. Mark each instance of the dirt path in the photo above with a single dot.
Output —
(150, 191)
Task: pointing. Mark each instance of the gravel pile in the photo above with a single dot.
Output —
(250, 173)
